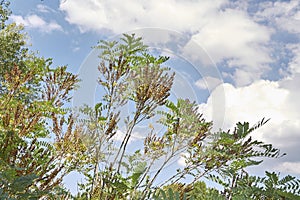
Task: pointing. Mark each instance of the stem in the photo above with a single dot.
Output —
(126, 139)
(145, 173)
(132, 124)
(155, 176)
(233, 184)
(95, 175)
(175, 175)
(173, 153)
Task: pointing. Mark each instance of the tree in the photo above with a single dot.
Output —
(39, 141)
(42, 140)
(129, 73)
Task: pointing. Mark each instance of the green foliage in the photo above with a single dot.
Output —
(39, 144)
(41, 140)
(268, 187)
(129, 73)
(169, 195)
(195, 191)
(200, 191)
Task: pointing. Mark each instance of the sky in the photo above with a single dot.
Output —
(239, 60)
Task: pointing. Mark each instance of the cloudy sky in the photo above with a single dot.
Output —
(240, 60)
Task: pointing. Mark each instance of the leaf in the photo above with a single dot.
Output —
(21, 183)
(288, 195)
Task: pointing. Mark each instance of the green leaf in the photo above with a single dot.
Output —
(288, 195)
(21, 183)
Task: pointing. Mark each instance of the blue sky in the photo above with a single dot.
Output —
(240, 60)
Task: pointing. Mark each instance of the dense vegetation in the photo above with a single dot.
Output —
(42, 140)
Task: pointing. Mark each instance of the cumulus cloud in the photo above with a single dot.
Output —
(121, 17)
(230, 32)
(250, 103)
(232, 35)
(36, 22)
(277, 100)
(269, 99)
(284, 15)
(225, 31)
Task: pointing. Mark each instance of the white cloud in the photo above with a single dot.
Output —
(120, 16)
(232, 33)
(289, 167)
(275, 100)
(44, 9)
(250, 103)
(119, 136)
(294, 64)
(233, 36)
(19, 20)
(208, 82)
(36, 22)
(284, 15)
(182, 160)
(75, 49)
(226, 32)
